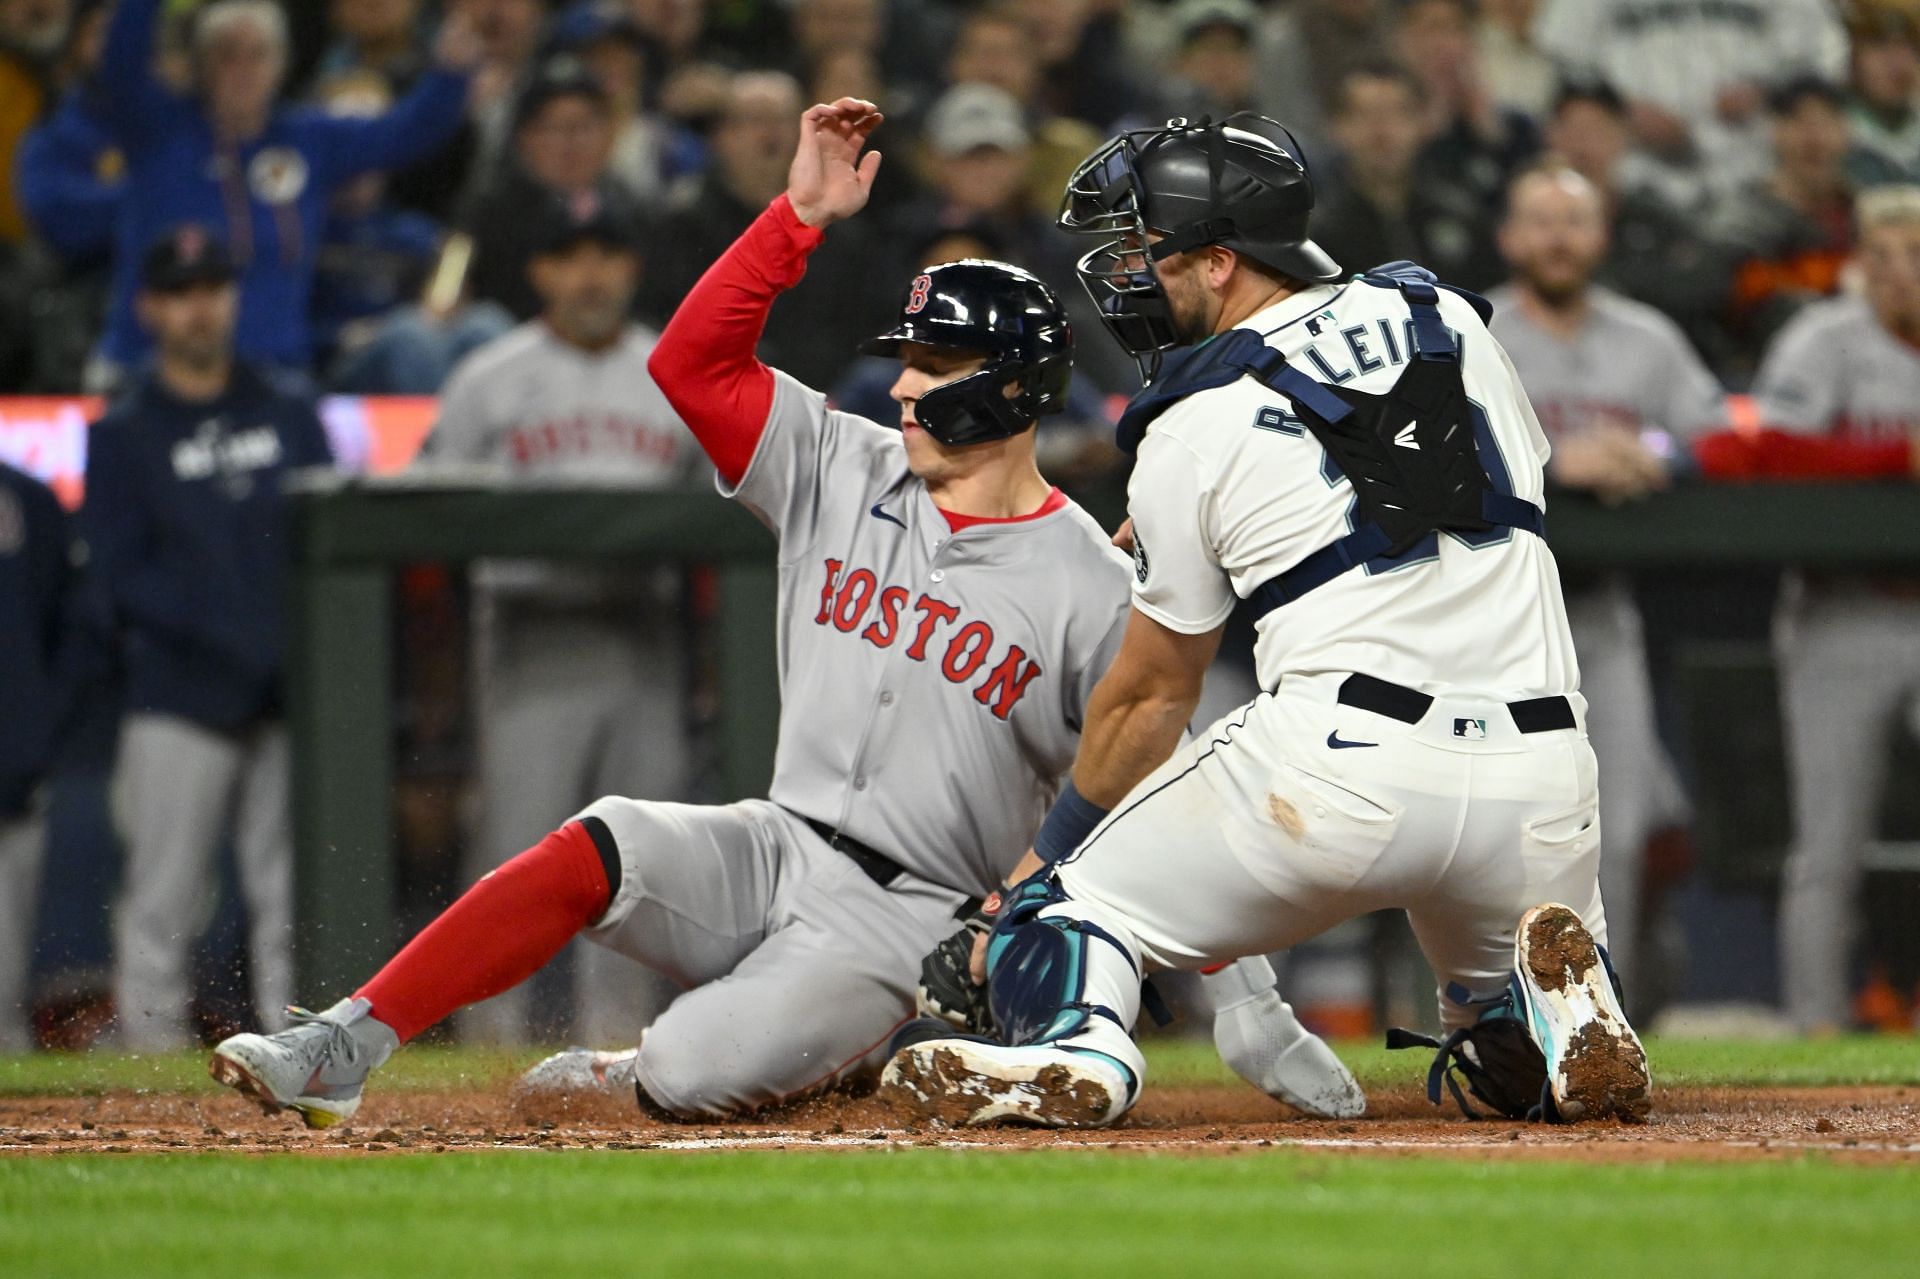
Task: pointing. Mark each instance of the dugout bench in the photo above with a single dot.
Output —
(352, 534)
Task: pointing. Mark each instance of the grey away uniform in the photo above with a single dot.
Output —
(1849, 651)
(1629, 366)
(580, 669)
(932, 689)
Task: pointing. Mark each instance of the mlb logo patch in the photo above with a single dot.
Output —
(1472, 729)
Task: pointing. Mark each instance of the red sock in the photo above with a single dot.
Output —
(495, 936)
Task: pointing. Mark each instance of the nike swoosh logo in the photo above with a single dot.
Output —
(1335, 742)
(879, 514)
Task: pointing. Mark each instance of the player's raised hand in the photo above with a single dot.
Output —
(830, 179)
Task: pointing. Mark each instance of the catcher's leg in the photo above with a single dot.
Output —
(1064, 983)
(1162, 883)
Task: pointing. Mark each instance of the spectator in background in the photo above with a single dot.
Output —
(1213, 62)
(32, 34)
(185, 528)
(387, 38)
(1382, 209)
(36, 590)
(1085, 67)
(563, 133)
(1619, 392)
(1839, 395)
(1306, 50)
(649, 152)
(1518, 76)
(1882, 112)
(373, 257)
(1791, 231)
(392, 41)
(1472, 141)
(582, 686)
(70, 181)
(1695, 76)
(994, 45)
(815, 325)
(68, 175)
(228, 157)
(1654, 251)
(509, 33)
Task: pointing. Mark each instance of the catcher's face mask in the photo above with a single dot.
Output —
(1104, 198)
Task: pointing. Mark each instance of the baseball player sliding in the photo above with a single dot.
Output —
(1357, 461)
(945, 614)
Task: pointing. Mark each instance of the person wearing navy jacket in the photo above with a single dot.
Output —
(228, 157)
(185, 526)
(36, 577)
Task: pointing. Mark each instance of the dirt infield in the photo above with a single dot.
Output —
(1718, 1124)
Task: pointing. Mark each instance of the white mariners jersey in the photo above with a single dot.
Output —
(932, 683)
(1836, 370)
(1628, 366)
(1230, 489)
(535, 405)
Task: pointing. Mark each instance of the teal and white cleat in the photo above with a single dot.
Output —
(1596, 1068)
(316, 1066)
(963, 1082)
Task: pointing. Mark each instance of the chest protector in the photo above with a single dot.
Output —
(1411, 453)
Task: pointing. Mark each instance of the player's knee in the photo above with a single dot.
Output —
(690, 1077)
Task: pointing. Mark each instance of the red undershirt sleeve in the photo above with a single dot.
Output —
(1786, 455)
(705, 361)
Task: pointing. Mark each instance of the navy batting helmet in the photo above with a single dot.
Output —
(1003, 313)
(1239, 182)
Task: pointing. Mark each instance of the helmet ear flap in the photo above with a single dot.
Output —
(975, 409)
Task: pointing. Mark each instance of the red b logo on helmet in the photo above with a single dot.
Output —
(917, 296)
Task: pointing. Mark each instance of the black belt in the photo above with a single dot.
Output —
(876, 865)
(1409, 705)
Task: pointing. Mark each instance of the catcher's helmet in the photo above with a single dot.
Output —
(1238, 182)
(1003, 313)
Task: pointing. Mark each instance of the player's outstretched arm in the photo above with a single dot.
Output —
(705, 362)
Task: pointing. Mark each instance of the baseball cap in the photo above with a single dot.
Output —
(559, 77)
(183, 256)
(588, 22)
(970, 116)
(587, 215)
(1190, 17)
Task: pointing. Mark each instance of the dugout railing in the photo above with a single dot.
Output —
(353, 534)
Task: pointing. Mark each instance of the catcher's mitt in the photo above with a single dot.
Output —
(947, 989)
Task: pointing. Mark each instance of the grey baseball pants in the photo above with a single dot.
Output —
(178, 788)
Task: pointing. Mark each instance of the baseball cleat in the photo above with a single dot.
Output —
(1596, 1068)
(1268, 1047)
(316, 1066)
(577, 1077)
(965, 1082)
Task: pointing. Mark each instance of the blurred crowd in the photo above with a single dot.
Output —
(248, 202)
(387, 164)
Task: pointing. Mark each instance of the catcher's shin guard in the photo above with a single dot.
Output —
(1064, 973)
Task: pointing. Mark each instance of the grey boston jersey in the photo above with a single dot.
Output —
(909, 652)
(1628, 366)
(536, 405)
(1837, 370)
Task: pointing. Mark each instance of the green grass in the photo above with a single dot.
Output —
(1861, 1059)
(986, 1214)
(930, 1212)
